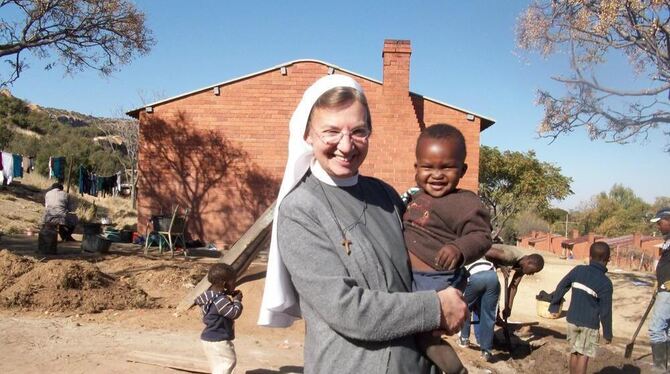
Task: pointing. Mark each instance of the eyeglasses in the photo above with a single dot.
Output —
(358, 136)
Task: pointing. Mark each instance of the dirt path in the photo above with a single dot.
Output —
(33, 344)
(44, 330)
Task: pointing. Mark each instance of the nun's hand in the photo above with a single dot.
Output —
(454, 310)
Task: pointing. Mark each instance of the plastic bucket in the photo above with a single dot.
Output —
(91, 228)
(47, 240)
(95, 244)
(543, 310)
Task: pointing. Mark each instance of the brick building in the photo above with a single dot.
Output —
(542, 241)
(627, 250)
(221, 150)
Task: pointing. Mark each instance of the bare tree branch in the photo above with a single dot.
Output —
(592, 31)
(94, 34)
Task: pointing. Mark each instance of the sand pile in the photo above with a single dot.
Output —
(63, 285)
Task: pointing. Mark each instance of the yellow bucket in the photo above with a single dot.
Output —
(543, 310)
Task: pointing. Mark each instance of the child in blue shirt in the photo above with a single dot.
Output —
(220, 305)
(590, 306)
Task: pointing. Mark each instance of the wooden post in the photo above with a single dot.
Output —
(617, 256)
(69, 173)
(241, 254)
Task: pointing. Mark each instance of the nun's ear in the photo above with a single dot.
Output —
(308, 136)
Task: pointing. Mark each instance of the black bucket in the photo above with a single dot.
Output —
(91, 228)
(47, 240)
(95, 244)
(161, 223)
(126, 236)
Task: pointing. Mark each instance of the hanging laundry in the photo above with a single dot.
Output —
(57, 167)
(118, 184)
(7, 167)
(84, 180)
(31, 164)
(93, 179)
(18, 163)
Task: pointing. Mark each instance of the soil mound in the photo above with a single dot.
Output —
(62, 285)
(164, 281)
(12, 267)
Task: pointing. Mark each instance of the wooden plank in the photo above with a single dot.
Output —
(244, 250)
(169, 361)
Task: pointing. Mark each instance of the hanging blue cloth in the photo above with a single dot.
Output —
(18, 166)
(58, 167)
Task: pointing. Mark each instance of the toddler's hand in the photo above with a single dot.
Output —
(448, 258)
(237, 295)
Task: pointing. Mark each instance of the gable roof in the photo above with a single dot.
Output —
(629, 240)
(581, 239)
(485, 123)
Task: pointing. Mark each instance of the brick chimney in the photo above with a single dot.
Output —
(637, 240)
(396, 55)
(575, 234)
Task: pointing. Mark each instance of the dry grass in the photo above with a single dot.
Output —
(37, 181)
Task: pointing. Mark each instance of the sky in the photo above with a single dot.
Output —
(463, 53)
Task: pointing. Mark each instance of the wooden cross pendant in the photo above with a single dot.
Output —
(346, 243)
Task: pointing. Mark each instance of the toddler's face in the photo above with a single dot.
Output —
(440, 165)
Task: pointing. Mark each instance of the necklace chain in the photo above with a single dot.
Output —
(346, 243)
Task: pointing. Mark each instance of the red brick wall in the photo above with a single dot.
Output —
(223, 156)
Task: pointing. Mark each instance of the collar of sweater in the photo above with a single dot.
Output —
(598, 266)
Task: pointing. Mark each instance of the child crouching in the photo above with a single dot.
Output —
(220, 305)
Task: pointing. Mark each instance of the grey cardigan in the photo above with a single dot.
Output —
(359, 314)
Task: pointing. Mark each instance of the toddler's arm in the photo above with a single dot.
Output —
(228, 307)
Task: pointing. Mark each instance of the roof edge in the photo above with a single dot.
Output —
(486, 122)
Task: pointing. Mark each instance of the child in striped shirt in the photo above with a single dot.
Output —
(220, 305)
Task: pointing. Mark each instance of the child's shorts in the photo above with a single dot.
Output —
(583, 340)
(220, 355)
(439, 280)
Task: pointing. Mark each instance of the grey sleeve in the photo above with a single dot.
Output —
(322, 282)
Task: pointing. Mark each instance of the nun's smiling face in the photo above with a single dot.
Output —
(339, 138)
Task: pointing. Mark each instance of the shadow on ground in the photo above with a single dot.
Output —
(283, 369)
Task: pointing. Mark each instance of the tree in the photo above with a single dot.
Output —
(96, 34)
(619, 212)
(590, 32)
(510, 182)
(659, 203)
(122, 137)
(523, 224)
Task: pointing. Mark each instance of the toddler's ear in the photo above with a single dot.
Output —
(464, 169)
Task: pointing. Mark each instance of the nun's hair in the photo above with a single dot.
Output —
(340, 97)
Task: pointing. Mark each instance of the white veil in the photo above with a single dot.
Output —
(280, 307)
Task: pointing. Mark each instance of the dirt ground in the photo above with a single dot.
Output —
(76, 312)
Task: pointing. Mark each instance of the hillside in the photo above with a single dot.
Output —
(43, 132)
